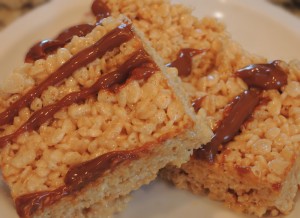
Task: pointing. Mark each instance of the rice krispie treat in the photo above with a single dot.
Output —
(91, 116)
(253, 161)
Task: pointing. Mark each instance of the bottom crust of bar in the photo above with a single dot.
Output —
(109, 194)
(239, 190)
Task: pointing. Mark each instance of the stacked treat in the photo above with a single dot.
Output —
(89, 119)
(256, 171)
(98, 114)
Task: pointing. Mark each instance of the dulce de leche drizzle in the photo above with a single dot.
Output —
(239, 110)
(76, 178)
(110, 41)
(183, 62)
(43, 48)
(27, 204)
(78, 30)
(262, 76)
(79, 176)
(106, 81)
(100, 10)
(143, 72)
(197, 104)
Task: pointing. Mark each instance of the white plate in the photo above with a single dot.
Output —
(260, 27)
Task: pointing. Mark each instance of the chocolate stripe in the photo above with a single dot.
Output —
(100, 10)
(264, 76)
(110, 41)
(76, 178)
(261, 76)
(183, 62)
(42, 49)
(39, 117)
(240, 110)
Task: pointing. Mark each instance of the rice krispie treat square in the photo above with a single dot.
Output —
(253, 166)
(92, 115)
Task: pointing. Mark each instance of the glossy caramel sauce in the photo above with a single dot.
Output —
(264, 76)
(77, 177)
(197, 104)
(42, 49)
(100, 10)
(183, 62)
(239, 110)
(257, 77)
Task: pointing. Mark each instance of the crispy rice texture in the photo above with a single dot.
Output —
(258, 173)
(151, 115)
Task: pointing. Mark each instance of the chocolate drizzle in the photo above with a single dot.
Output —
(263, 76)
(197, 104)
(110, 41)
(239, 111)
(106, 81)
(42, 49)
(100, 10)
(78, 30)
(183, 62)
(142, 72)
(27, 204)
(86, 172)
(258, 77)
(76, 178)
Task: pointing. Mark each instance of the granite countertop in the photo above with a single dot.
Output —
(7, 15)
